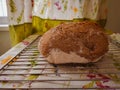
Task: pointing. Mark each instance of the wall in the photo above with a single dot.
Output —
(113, 21)
(4, 42)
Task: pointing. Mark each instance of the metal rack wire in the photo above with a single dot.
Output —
(30, 70)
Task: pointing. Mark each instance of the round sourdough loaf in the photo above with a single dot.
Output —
(74, 42)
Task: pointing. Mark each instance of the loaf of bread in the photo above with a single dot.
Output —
(74, 42)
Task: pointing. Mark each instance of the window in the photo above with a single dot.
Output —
(3, 12)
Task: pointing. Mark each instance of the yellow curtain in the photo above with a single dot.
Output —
(37, 16)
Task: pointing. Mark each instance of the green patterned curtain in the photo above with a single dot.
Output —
(20, 19)
(37, 16)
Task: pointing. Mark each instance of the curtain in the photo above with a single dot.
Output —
(27, 17)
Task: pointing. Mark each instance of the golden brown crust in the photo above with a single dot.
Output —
(86, 39)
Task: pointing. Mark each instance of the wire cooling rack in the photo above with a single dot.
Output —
(30, 70)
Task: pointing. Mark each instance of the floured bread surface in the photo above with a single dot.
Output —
(57, 56)
(76, 42)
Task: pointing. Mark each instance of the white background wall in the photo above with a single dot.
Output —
(113, 23)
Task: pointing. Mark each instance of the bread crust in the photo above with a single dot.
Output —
(86, 39)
